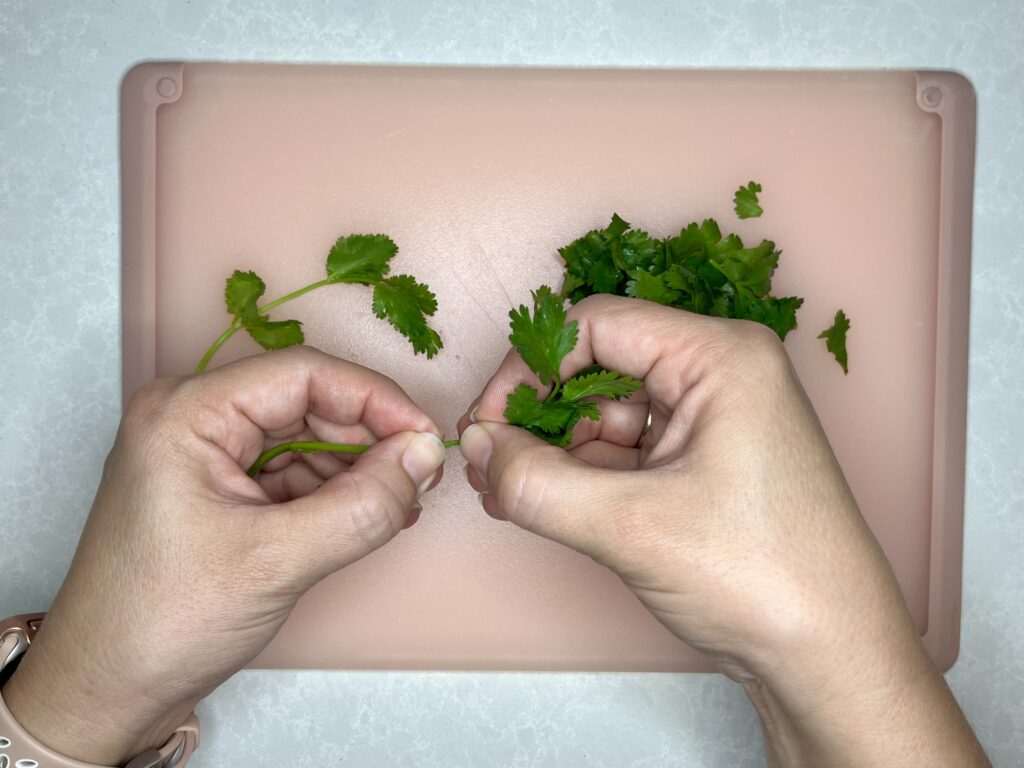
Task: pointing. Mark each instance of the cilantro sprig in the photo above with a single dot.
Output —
(543, 338)
(360, 259)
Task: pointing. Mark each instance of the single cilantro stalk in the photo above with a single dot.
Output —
(314, 446)
(543, 339)
(362, 259)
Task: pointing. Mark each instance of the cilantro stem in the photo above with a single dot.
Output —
(236, 325)
(554, 391)
(313, 446)
(295, 294)
(232, 329)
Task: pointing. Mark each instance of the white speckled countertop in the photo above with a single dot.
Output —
(60, 65)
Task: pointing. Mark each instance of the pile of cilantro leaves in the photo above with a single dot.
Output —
(699, 270)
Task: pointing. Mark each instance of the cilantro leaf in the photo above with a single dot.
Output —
(746, 203)
(544, 339)
(360, 258)
(550, 420)
(644, 285)
(600, 383)
(241, 294)
(406, 304)
(590, 261)
(779, 314)
(276, 335)
(750, 267)
(835, 339)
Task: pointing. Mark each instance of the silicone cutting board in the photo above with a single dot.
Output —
(479, 175)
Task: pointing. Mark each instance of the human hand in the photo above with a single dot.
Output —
(187, 567)
(733, 525)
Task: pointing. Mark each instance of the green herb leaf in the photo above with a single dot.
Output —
(406, 304)
(600, 383)
(360, 258)
(276, 335)
(835, 339)
(241, 294)
(644, 285)
(750, 267)
(553, 420)
(544, 338)
(590, 261)
(746, 201)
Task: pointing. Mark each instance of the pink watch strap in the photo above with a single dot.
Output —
(18, 749)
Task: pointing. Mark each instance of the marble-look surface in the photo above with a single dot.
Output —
(60, 64)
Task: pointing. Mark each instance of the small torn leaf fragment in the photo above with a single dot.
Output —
(835, 339)
(746, 203)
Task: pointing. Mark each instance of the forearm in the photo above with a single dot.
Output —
(896, 714)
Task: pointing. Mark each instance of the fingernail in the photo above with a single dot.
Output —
(473, 413)
(423, 456)
(477, 446)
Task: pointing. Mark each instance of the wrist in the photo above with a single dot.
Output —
(85, 717)
(888, 707)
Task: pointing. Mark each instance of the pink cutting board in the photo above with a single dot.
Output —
(479, 175)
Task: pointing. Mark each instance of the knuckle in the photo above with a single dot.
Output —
(755, 349)
(148, 404)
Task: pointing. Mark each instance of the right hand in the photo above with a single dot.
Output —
(733, 524)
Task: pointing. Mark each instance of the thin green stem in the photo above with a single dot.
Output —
(205, 361)
(313, 446)
(295, 294)
(554, 390)
(236, 325)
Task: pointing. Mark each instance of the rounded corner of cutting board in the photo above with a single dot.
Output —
(152, 82)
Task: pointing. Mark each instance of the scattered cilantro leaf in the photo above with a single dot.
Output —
(276, 335)
(360, 258)
(406, 304)
(835, 339)
(746, 203)
(544, 338)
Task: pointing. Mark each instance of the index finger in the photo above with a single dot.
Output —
(669, 349)
(235, 405)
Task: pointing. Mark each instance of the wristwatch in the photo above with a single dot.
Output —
(19, 750)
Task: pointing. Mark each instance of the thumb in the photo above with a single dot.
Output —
(361, 509)
(546, 490)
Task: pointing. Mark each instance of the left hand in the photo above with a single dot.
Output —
(187, 567)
